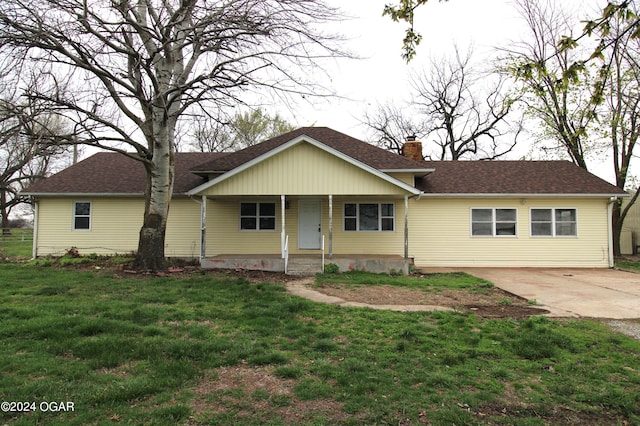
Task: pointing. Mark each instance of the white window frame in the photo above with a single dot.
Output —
(258, 216)
(553, 222)
(380, 217)
(75, 215)
(494, 234)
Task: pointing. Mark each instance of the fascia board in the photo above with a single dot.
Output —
(423, 171)
(83, 194)
(536, 195)
(293, 142)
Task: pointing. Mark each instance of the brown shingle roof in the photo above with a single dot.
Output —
(113, 173)
(512, 177)
(368, 154)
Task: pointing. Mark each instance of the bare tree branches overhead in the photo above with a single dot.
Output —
(458, 111)
(390, 125)
(468, 113)
(124, 72)
(29, 146)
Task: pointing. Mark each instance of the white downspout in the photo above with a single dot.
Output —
(330, 227)
(203, 228)
(610, 229)
(282, 224)
(36, 212)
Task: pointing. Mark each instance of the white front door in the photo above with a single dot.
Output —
(309, 224)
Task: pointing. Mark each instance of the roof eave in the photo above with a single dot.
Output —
(83, 194)
(417, 172)
(521, 195)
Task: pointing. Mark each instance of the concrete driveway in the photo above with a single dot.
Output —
(595, 293)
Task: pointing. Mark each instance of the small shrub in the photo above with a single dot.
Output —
(395, 273)
(72, 252)
(331, 268)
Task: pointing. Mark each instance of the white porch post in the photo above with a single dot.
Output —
(203, 227)
(282, 233)
(330, 226)
(406, 227)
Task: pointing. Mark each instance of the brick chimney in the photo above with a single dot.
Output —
(412, 149)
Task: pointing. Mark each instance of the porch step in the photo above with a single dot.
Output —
(304, 266)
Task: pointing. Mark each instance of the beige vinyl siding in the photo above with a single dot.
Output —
(225, 237)
(303, 170)
(223, 229)
(115, 225)
(440, 235)
(407, 178)
(183, 229)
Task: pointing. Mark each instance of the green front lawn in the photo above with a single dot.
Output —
(212, 349)
(17, 245)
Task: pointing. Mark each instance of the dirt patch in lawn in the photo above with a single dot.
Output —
(487, 303)
(251, 391)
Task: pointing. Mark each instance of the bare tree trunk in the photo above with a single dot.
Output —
(160, 173)
(4, 213)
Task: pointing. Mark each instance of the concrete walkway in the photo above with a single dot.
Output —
(300, 288)
(591, 293)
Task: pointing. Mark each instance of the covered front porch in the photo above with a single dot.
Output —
(299, 234)
(304, 201)
(305, 264)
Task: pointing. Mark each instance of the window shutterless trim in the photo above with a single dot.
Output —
(75, 216)
(357, 215)
(258, 216)
(494, 222)
(553, 222)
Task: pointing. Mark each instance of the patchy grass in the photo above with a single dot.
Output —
(18, 245)
(453, 280)
(206, 349)
(628, 264)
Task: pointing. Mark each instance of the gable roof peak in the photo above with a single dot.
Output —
(357, 149)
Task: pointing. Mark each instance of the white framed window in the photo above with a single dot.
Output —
(81, 215)
(369, 217)
(494, 222)
(257, 216)
(554, 222)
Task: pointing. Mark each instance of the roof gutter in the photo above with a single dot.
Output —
(518, 195)
(93, 194)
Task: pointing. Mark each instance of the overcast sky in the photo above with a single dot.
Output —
(381, 74)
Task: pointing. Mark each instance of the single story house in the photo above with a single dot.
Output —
(316, 193)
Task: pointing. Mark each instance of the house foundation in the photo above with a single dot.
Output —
(308, 264)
